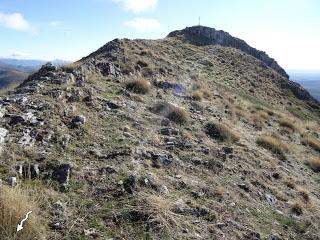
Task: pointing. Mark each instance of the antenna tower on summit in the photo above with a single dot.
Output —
(199, 21)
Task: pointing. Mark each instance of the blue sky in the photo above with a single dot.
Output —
(288, 31)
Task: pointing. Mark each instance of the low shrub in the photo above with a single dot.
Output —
(140, 86)
(221, 132)
(177, 114)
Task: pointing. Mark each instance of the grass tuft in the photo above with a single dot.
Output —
(140, 86)
(197, 96)
(287, 123)
(221, 132)
(311, 142)
(14, 205)
(314, 164)
(176, 114)
(274, 144)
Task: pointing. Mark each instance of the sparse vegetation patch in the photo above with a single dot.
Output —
(140, 86)
(311, 142)
(221, 132)
(274, 144)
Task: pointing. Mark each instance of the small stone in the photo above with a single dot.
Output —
(271, 199)
(244, 187)
(227, 150)
(274, 237)
(165, 122)
(164, 190)
(130, 184)
(78, 121)
(92, 232)
(3, 134)
(56, 226)
(62, 174)
(59, 208)
(12, 181)
(19, 168)
(129, 135)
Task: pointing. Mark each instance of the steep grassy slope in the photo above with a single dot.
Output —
(160, 139)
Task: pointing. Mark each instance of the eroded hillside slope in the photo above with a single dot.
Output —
(161, 139)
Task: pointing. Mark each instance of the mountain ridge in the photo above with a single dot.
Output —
(201, 35)
(160, 139)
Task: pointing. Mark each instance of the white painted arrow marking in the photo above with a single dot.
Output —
(20, 227)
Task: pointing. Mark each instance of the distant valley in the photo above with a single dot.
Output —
(310, 80)
(14, 71)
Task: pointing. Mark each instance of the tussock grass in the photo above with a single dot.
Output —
(197, 96)
(14, 205)
(314, 163)
(312, 126)
(140, 86)
(288, 124)
(176, 114)
(221, 132)
(274, 144)
(305, 195)
(296, 208)
(311, 142)
(201, 88)
(158, 212)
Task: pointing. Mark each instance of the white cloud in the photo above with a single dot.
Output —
(55, 23)
(15, 21)
(138, 6)
(19, 55)
(143, 24)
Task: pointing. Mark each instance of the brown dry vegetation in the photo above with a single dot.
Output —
(197, 96)
(314, 163)
(14, 205)
(140, 86)
(274, 144)
(311, 142)
(288, 124)
(221, 132)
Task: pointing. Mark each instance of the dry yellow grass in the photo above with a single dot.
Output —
(197, 95)
(288, 124)
(14, 205)
(221, 132)
(274, 144)
(314, 163)
(203, 89)
(206, 93)
(177, 115)
(174, 113)
(296, 208)
(311, 142)
(312, 125)
(158, 212)
(140, 86)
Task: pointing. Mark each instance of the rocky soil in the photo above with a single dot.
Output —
(164, 139)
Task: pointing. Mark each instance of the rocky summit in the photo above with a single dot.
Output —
(194, 136)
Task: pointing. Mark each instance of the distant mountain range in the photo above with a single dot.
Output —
(310, 80)
(13, 71)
